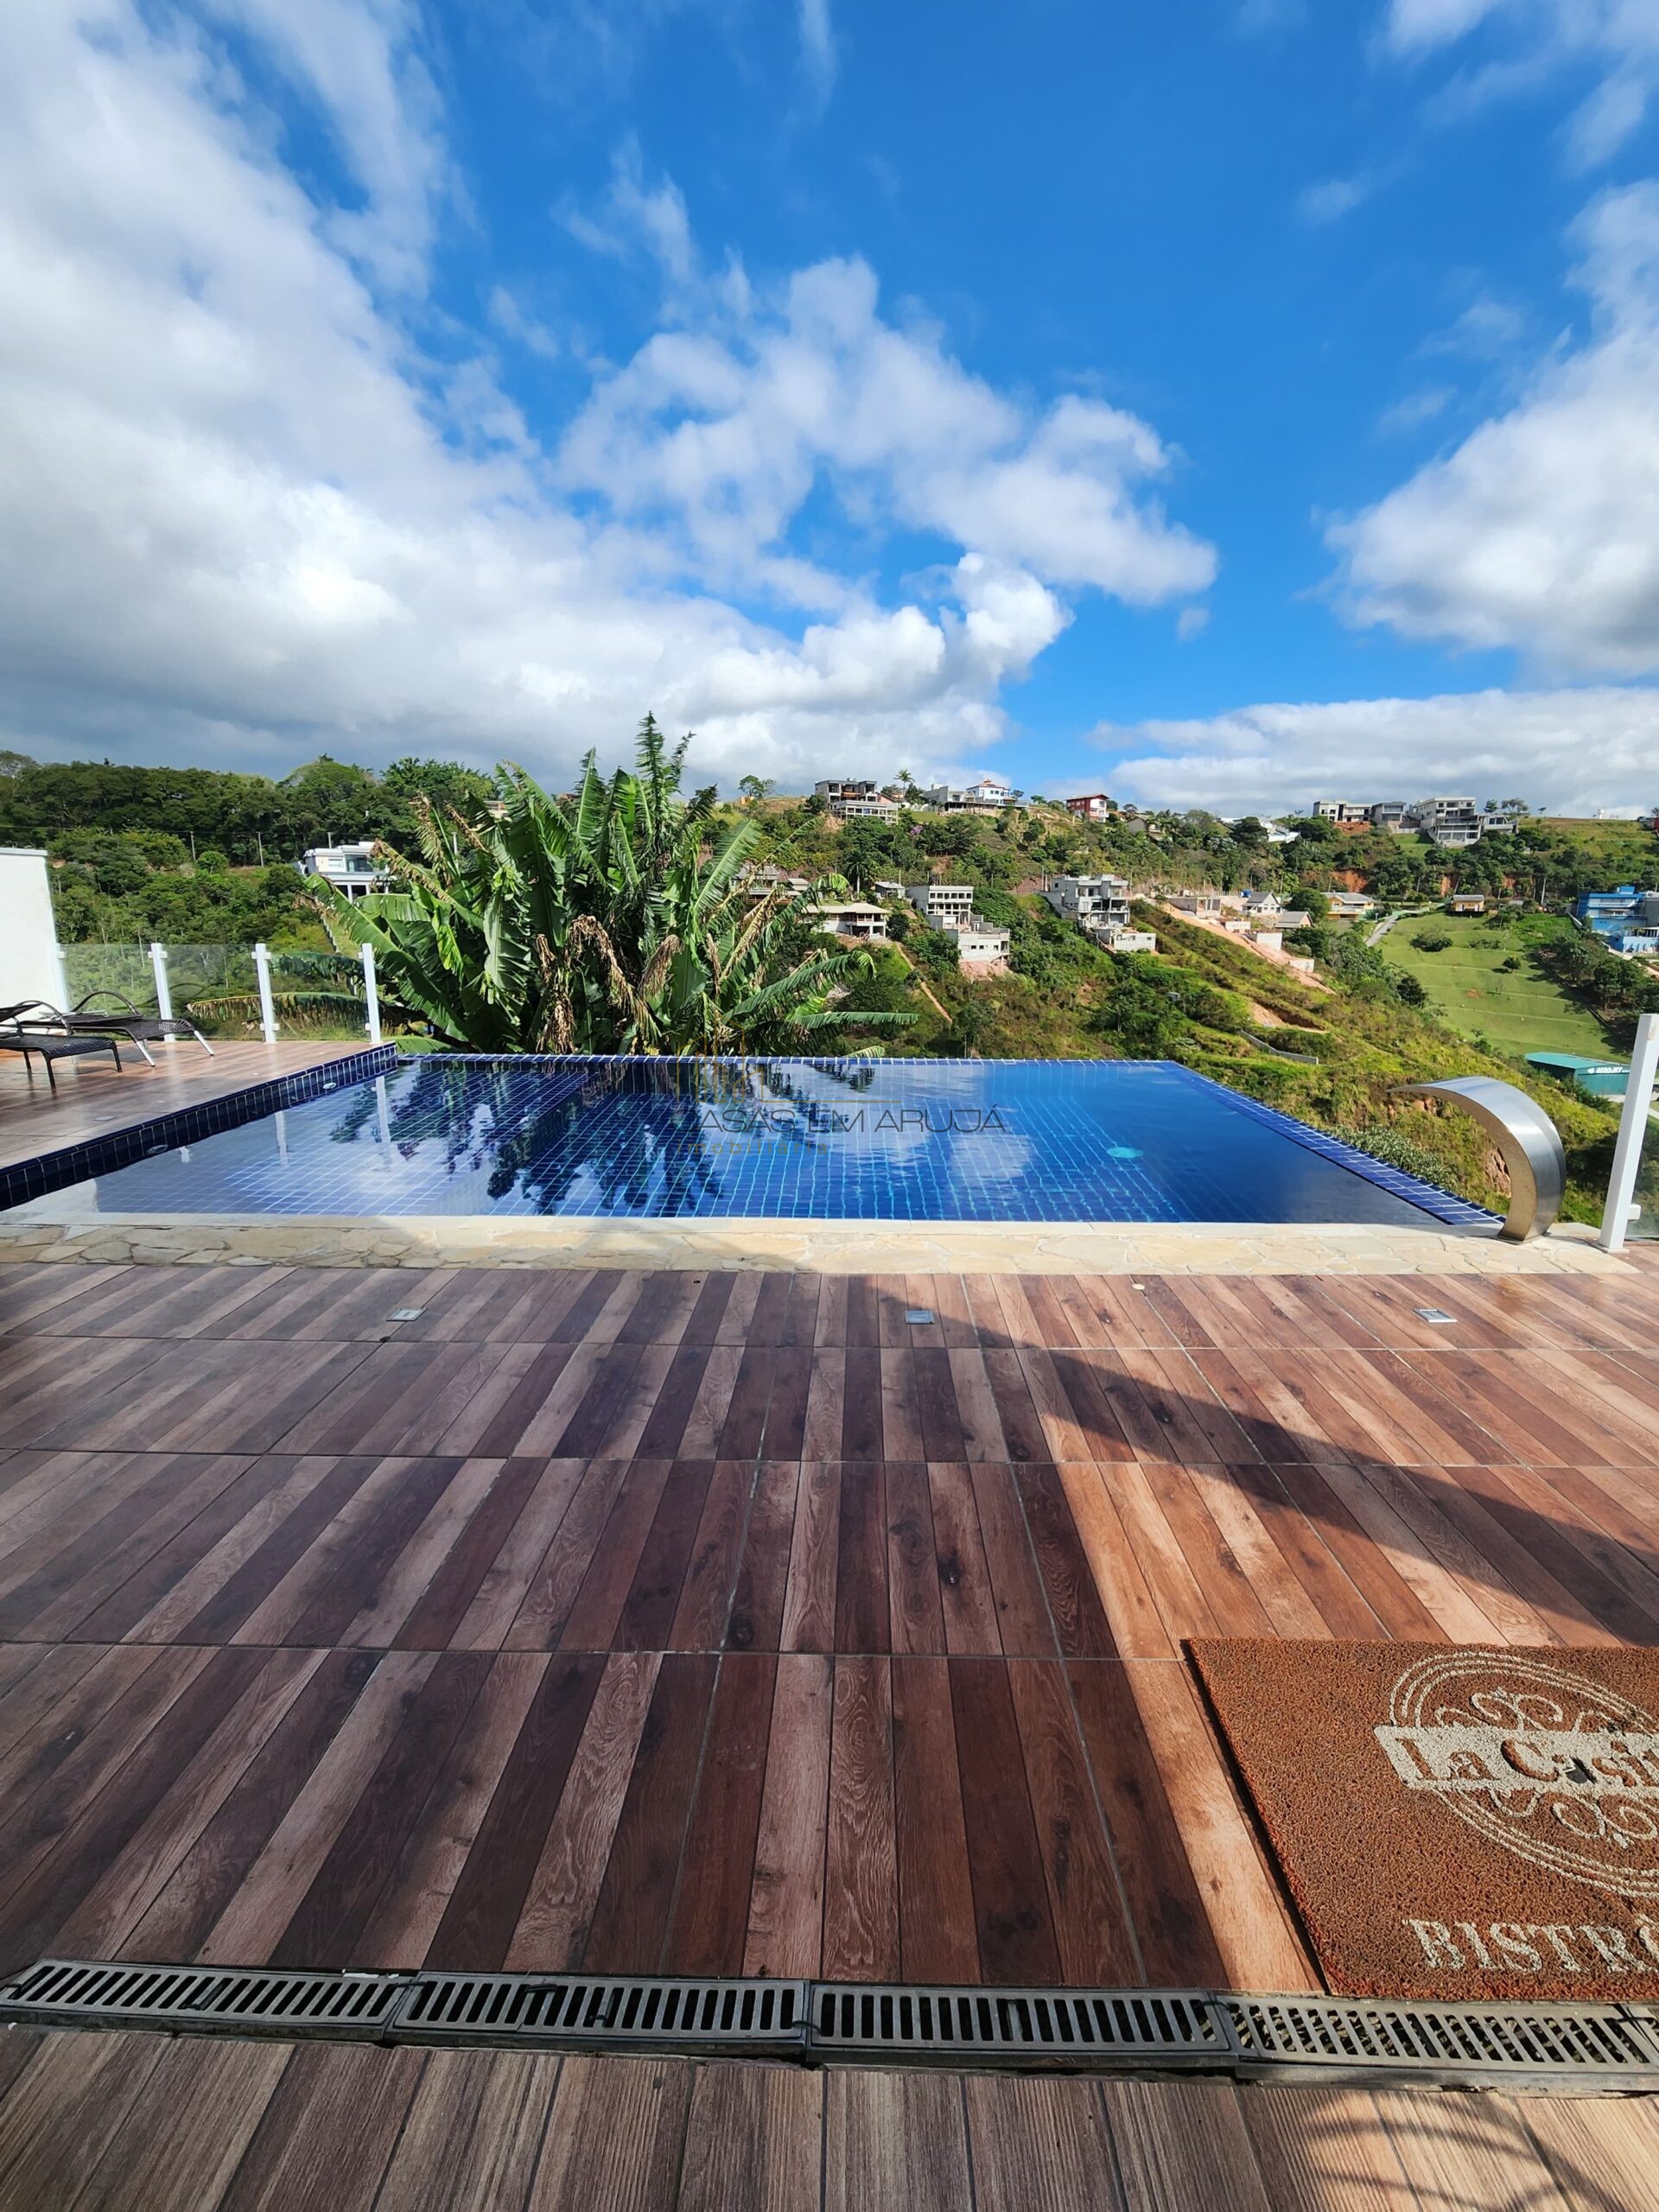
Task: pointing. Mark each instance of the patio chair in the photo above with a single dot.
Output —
(50, 1048)
(126, 1020)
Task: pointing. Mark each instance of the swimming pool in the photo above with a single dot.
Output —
(1018, 1141)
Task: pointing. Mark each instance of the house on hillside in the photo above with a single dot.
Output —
(854, 917)
(1626, 920)
(1092, 806)
(1205, 904)
(980, 944)
(1093, 902)
(1447, 822)
(1350, 905)
(1466, 902)
(856, 800)
(351, 869)
(948, 907)
(989, 796)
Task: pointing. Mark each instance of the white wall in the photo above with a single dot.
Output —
(30, 967)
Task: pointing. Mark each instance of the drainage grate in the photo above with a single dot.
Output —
(1436, 1316)
(602, 2010)
(231, 2001)
(1088, 2027)
(1552, 2046)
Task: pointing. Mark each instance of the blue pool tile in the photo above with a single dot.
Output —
(820, 1139)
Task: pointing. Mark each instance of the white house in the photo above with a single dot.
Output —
(989, 796)
(979, 943)
(852, 917)
(1095, 903)
(350, 868)
(942, 904)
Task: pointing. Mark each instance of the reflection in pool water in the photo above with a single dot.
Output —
(892, 1140)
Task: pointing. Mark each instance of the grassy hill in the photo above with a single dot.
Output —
(1487, 983)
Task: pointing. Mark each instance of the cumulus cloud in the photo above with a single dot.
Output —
(244, 514)
(1537, 531)
(721, 432)
(1617, 38)
(1564, 752)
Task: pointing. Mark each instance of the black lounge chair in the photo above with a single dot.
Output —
(51, 1047)
(126, 1020)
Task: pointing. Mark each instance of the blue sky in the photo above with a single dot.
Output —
(1219, 404)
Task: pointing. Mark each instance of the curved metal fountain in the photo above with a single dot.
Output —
(1527, 1138)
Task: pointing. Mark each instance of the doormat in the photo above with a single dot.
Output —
(1456, 1821)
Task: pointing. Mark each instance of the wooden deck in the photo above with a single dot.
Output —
(119, 2123)
(734, 1623)
(94, 1096)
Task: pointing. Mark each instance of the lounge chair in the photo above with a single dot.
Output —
(51, 1047)
(125, 1020)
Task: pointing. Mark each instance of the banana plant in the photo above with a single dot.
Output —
(618, 920)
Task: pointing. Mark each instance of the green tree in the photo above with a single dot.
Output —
(618, 922)
(755, 789)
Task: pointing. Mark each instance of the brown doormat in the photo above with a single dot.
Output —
(1455, 1821)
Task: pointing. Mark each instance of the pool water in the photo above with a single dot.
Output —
(878, 1140)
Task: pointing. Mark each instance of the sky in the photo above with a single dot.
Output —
(1223, 403)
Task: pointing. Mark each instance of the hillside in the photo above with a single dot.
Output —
(1489, 983)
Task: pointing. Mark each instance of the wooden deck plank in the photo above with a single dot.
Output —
(860, 1897)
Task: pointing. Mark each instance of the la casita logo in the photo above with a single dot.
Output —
(1557, 1769)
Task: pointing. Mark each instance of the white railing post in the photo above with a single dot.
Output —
(267, 1011)
(163, 992)
(370, 994)
(1633, 1128)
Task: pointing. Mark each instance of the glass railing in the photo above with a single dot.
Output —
(1643, 1221)
(216, 988)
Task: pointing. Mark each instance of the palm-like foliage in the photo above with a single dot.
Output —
(616, 921)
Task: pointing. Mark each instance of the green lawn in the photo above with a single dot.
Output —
(1525, 1012)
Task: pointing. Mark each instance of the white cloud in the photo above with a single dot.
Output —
(817, 45)
(1329, 202)
(721, 432)
(1538, 531)
(244, 516)
(1564, 752)
(1416, 408)
(1617, 38)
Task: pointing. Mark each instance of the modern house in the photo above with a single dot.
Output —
(1626, 920)
(1389, 814)
(1449, 822)
(1206, 904)
(350, 868)
(1095, 903)
(979, 943)
(941, 904)
(950, 907)
(1092, 806)
(1346, 813)
(989, 796)
(853, 800)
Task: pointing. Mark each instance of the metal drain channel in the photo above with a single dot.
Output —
(1031, 2027)
(203, 2000)
(603, 2011)
(1571, 2049)
(1542, 2046)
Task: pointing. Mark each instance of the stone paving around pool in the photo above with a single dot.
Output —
(62, 1230)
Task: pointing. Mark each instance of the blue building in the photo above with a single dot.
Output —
(1626, 920)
